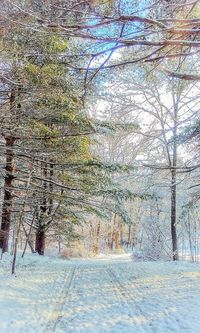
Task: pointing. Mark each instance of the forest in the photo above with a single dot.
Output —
(99, 153)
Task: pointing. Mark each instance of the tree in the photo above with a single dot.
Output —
(44, 118)
(51, 135)
(50, 55)
(166, 105)
(152, 32)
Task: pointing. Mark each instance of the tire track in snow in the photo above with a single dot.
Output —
(127, 299)
(90, 290)
(52, 299)
(147, 286)
(67, 285)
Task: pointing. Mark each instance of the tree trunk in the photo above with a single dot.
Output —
(59, 244)
(40, 241)
(129, 236)
(173, 217)
(96, 246)
(51, 173)
(43, 210)
(7, 201)
(174, 186)
(116, 240)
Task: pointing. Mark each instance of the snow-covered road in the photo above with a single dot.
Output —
(102, 296)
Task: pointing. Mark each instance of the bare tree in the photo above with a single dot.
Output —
(163, 106)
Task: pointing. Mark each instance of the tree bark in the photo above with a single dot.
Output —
(96, 246)
(40, 233)
(174, 186)
(173, 217)
(51, 173)
(8, 196)
(129, 236)
(40, 241)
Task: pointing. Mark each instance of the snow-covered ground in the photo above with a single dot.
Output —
(109, 294)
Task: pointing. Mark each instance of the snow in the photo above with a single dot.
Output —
(108, 294)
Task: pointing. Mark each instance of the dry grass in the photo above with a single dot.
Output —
(76, 251)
